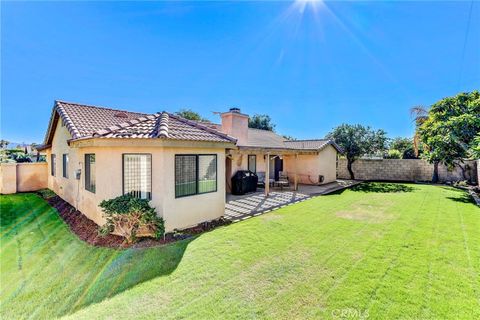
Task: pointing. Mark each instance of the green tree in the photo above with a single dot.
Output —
(357, 140)
(401, 144)
(393, 154)
(405, 146)
(449, 131)
(475, 148)
(261, 121)
(4, 143)
(289, 138)
(191, 115)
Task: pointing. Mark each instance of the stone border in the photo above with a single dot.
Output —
(475, 197)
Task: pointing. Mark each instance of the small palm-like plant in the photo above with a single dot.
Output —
(419, 115)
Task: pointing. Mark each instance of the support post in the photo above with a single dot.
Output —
(295, 177)
(267, 174)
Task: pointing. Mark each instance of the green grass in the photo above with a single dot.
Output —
(389, 251)
(188, 188)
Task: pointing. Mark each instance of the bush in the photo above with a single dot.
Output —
(21, 157)
(410, 153)
(129, 217)
(393, 154)
(46, 193)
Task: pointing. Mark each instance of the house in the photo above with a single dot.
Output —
(183, 167)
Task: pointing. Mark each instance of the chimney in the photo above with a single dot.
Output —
(235, 124)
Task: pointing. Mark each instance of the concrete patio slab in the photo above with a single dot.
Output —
(242, 207)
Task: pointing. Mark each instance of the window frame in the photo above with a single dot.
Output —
(89, 171)
(151, 172)
(65, 165)
(53, 164)
(196, 155)
(254, 156)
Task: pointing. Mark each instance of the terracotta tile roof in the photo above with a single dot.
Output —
(163, 125)
(86, 121)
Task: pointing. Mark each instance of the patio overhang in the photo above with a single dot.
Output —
(272, 151)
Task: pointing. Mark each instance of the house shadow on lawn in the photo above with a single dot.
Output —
(82, 274)
(382, 187)
(120, 270)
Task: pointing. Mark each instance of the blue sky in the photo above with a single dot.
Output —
(311, 66)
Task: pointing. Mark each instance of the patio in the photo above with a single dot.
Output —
(241, 207)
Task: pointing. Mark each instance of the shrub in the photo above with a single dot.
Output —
(129, 217)
(393, 154)
(21, 157)
(46, 193)
(463, 183)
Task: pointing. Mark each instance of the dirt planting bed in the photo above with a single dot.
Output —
(87, 230)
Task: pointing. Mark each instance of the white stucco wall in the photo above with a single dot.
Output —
(310, 166)
(178, 213)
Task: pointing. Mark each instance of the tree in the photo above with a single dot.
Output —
(34, 146)
(289, 138)
(393, 154)
(449, 130)
(261, 121)
(475, 148)
(357, 140)
(4, 144)
(190, 115)
(405, 146)
(400, 144)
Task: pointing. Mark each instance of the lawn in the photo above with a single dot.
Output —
(383, 251)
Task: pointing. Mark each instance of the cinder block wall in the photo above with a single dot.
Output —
(23, 177)
(478, 172)
(401, 170)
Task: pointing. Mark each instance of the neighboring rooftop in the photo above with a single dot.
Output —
(267, 139)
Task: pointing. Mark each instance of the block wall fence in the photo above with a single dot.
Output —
(23, 177)
(404, 170)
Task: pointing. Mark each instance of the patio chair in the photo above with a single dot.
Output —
(283, 177)
(261, 179)
(282, 180)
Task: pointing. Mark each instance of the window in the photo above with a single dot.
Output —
(252, 163)
(137, 175)
(65, 165)
(90, 172)
(207, 173)
(52, 164)
(195, 174)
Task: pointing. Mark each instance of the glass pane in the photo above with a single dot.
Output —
(52, 164)
(185, 175)
(207, 173)
(65, 165)
(252, 163)
(90, 172)
(137, 177)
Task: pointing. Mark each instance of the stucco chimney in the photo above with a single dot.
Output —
(235, 123)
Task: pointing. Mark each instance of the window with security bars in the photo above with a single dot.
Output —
(53, 164)
(252, 163)
(90, 181)
(195, 174)
(137, 175)
(65, 165)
